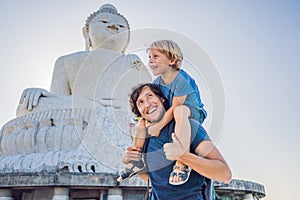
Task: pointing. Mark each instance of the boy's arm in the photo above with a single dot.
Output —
(154, 129)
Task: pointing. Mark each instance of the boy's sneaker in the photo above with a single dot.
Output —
(132, 168)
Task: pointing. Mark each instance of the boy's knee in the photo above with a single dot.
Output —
(181, 111)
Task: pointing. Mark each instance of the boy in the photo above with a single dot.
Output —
(165, 60)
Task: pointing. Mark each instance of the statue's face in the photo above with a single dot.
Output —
(109, 31)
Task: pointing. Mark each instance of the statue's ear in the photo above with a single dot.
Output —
(86, 38)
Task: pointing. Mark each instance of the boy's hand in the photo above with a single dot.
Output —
(153, 129)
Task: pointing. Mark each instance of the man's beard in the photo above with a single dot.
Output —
(159, 117)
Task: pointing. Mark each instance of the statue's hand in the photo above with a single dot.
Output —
(30, 97)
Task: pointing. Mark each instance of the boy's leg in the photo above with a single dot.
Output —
(140, 134)
(183, 133)
(182, 125)
(134, 167)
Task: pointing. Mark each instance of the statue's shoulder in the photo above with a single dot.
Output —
(74, 56)
(71, 59)
(133, 56)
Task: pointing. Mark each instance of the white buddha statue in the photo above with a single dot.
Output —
(82, 123)
(106, 33)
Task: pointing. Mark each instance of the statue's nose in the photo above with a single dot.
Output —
(113, 26)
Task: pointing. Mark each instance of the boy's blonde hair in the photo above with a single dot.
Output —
(171, 49)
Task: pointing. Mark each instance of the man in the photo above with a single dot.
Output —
(161, 152)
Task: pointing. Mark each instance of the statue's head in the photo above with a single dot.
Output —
(106, 28)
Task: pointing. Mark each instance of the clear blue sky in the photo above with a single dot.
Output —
(255, 46)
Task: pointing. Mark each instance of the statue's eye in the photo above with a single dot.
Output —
(103, 21)
(120, 25)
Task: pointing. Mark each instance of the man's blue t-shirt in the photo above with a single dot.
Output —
(184, 84)
(159, 167)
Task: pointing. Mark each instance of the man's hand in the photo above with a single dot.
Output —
(132, 153)
(175, 149)
(30, 97)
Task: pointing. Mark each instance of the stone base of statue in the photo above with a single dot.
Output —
(66, 185)
(64, 137)
(86, 185)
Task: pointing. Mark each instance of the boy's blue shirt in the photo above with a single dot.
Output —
(184, 84)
